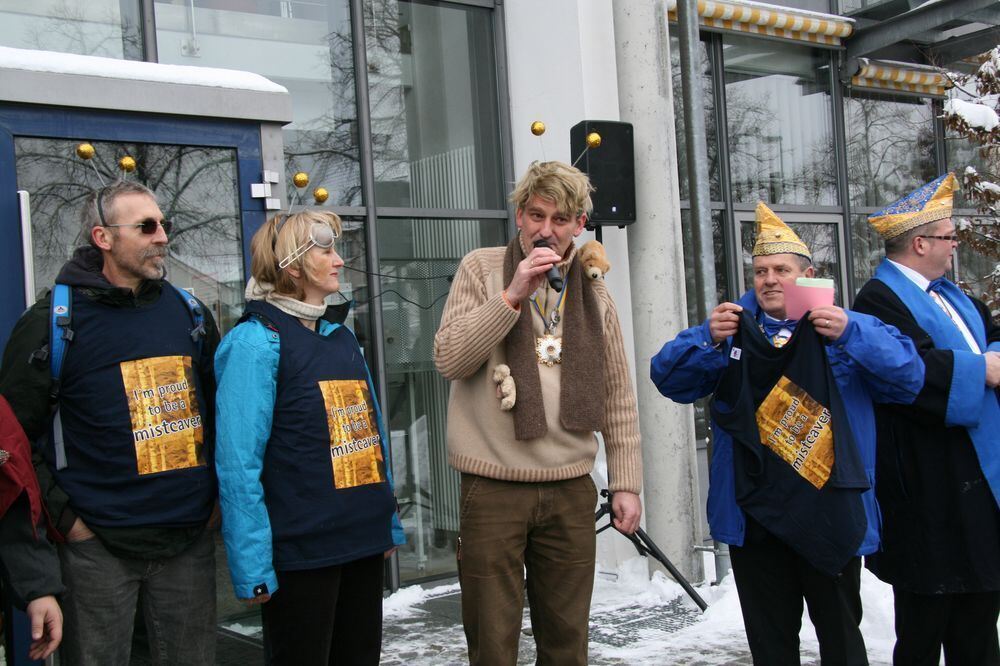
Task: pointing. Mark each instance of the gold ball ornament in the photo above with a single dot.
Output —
(538, 128)
(320, 195)
(593, 140)
(85, 151)
(301, 179)
(127, 164)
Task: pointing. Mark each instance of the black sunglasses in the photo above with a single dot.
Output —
(148, 226)
(953, 239)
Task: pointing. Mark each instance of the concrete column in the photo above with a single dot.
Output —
(657, 278)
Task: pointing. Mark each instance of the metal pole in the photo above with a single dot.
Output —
(698, 184)
(697, 157)
(371, 235)
(843, 187)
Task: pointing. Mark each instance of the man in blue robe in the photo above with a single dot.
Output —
(870, 361)
(938, 463)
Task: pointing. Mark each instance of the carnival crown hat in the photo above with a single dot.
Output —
(929, 203)
(776, 237)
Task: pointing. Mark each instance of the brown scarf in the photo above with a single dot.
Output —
(582, 389)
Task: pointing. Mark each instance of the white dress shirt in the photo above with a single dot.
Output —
(942, 303)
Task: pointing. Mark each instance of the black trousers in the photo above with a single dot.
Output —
(965, 624)
(320, 617)
(772, 580)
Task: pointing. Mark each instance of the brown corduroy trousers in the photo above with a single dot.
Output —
(540, 531)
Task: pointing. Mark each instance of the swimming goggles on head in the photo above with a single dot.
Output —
(320, 235)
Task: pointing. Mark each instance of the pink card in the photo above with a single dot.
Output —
(807, 294)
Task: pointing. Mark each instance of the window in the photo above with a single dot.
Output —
(780, 122)
(109, 28)
(890, 152)
(433, 91)
(418, 257)
(195, 187)
(712, 138)
(306, 47)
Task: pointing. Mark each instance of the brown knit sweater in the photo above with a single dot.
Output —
(467, 348)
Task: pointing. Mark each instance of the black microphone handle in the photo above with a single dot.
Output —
(553, 276)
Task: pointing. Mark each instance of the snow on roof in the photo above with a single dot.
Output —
(975, 115)
(112, 68)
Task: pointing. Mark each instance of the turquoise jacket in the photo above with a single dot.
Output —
(246, 370)
(870, 361)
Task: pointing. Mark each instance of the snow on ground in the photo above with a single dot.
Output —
(640, 619)
(404, 602)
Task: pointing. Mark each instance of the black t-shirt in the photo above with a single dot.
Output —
(797, 468)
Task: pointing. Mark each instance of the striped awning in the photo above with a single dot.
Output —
(900, 77)
(762, 19)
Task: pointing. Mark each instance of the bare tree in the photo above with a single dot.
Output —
(974, 120)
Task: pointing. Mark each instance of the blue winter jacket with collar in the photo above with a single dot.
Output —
(871, 361)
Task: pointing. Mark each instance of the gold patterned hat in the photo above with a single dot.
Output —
(776, 237)
(929, 203)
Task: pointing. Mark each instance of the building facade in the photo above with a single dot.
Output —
(413, 115)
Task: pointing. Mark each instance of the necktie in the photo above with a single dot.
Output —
(778, 331)
(932, 289)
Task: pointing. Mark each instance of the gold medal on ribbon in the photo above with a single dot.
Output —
(548, 349)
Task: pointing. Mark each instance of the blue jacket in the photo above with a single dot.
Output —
(246, 369)
(870, 360)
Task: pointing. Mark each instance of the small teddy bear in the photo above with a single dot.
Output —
(505, 387)
(594, 259)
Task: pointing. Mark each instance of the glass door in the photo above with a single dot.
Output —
(200, 171)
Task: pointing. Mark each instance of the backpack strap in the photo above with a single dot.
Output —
(60, 335)
(197, 315)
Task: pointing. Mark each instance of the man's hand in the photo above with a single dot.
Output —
(724, 321)
(530, 273)
(46, 626)
(627, 510)
(992, 369)
(79, 532)
(829, 321)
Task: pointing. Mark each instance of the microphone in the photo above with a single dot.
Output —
(555, 280)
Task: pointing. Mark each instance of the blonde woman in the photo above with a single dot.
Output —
(307, 503)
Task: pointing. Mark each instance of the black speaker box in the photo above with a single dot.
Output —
(611, 167)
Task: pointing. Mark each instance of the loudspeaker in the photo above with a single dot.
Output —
(611, 167)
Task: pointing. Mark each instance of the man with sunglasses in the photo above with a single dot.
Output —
(124, 437)
(938, 461)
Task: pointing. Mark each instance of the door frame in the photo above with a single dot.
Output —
(51, 122)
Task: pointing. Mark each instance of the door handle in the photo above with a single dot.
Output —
(27, 251)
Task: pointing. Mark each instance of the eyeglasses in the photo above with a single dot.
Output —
(320, 235)
(148, 226)
(953, 239)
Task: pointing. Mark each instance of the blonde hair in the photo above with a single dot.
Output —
(564, 185)
(277, 239)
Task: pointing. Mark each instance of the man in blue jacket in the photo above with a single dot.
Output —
(869, 361)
